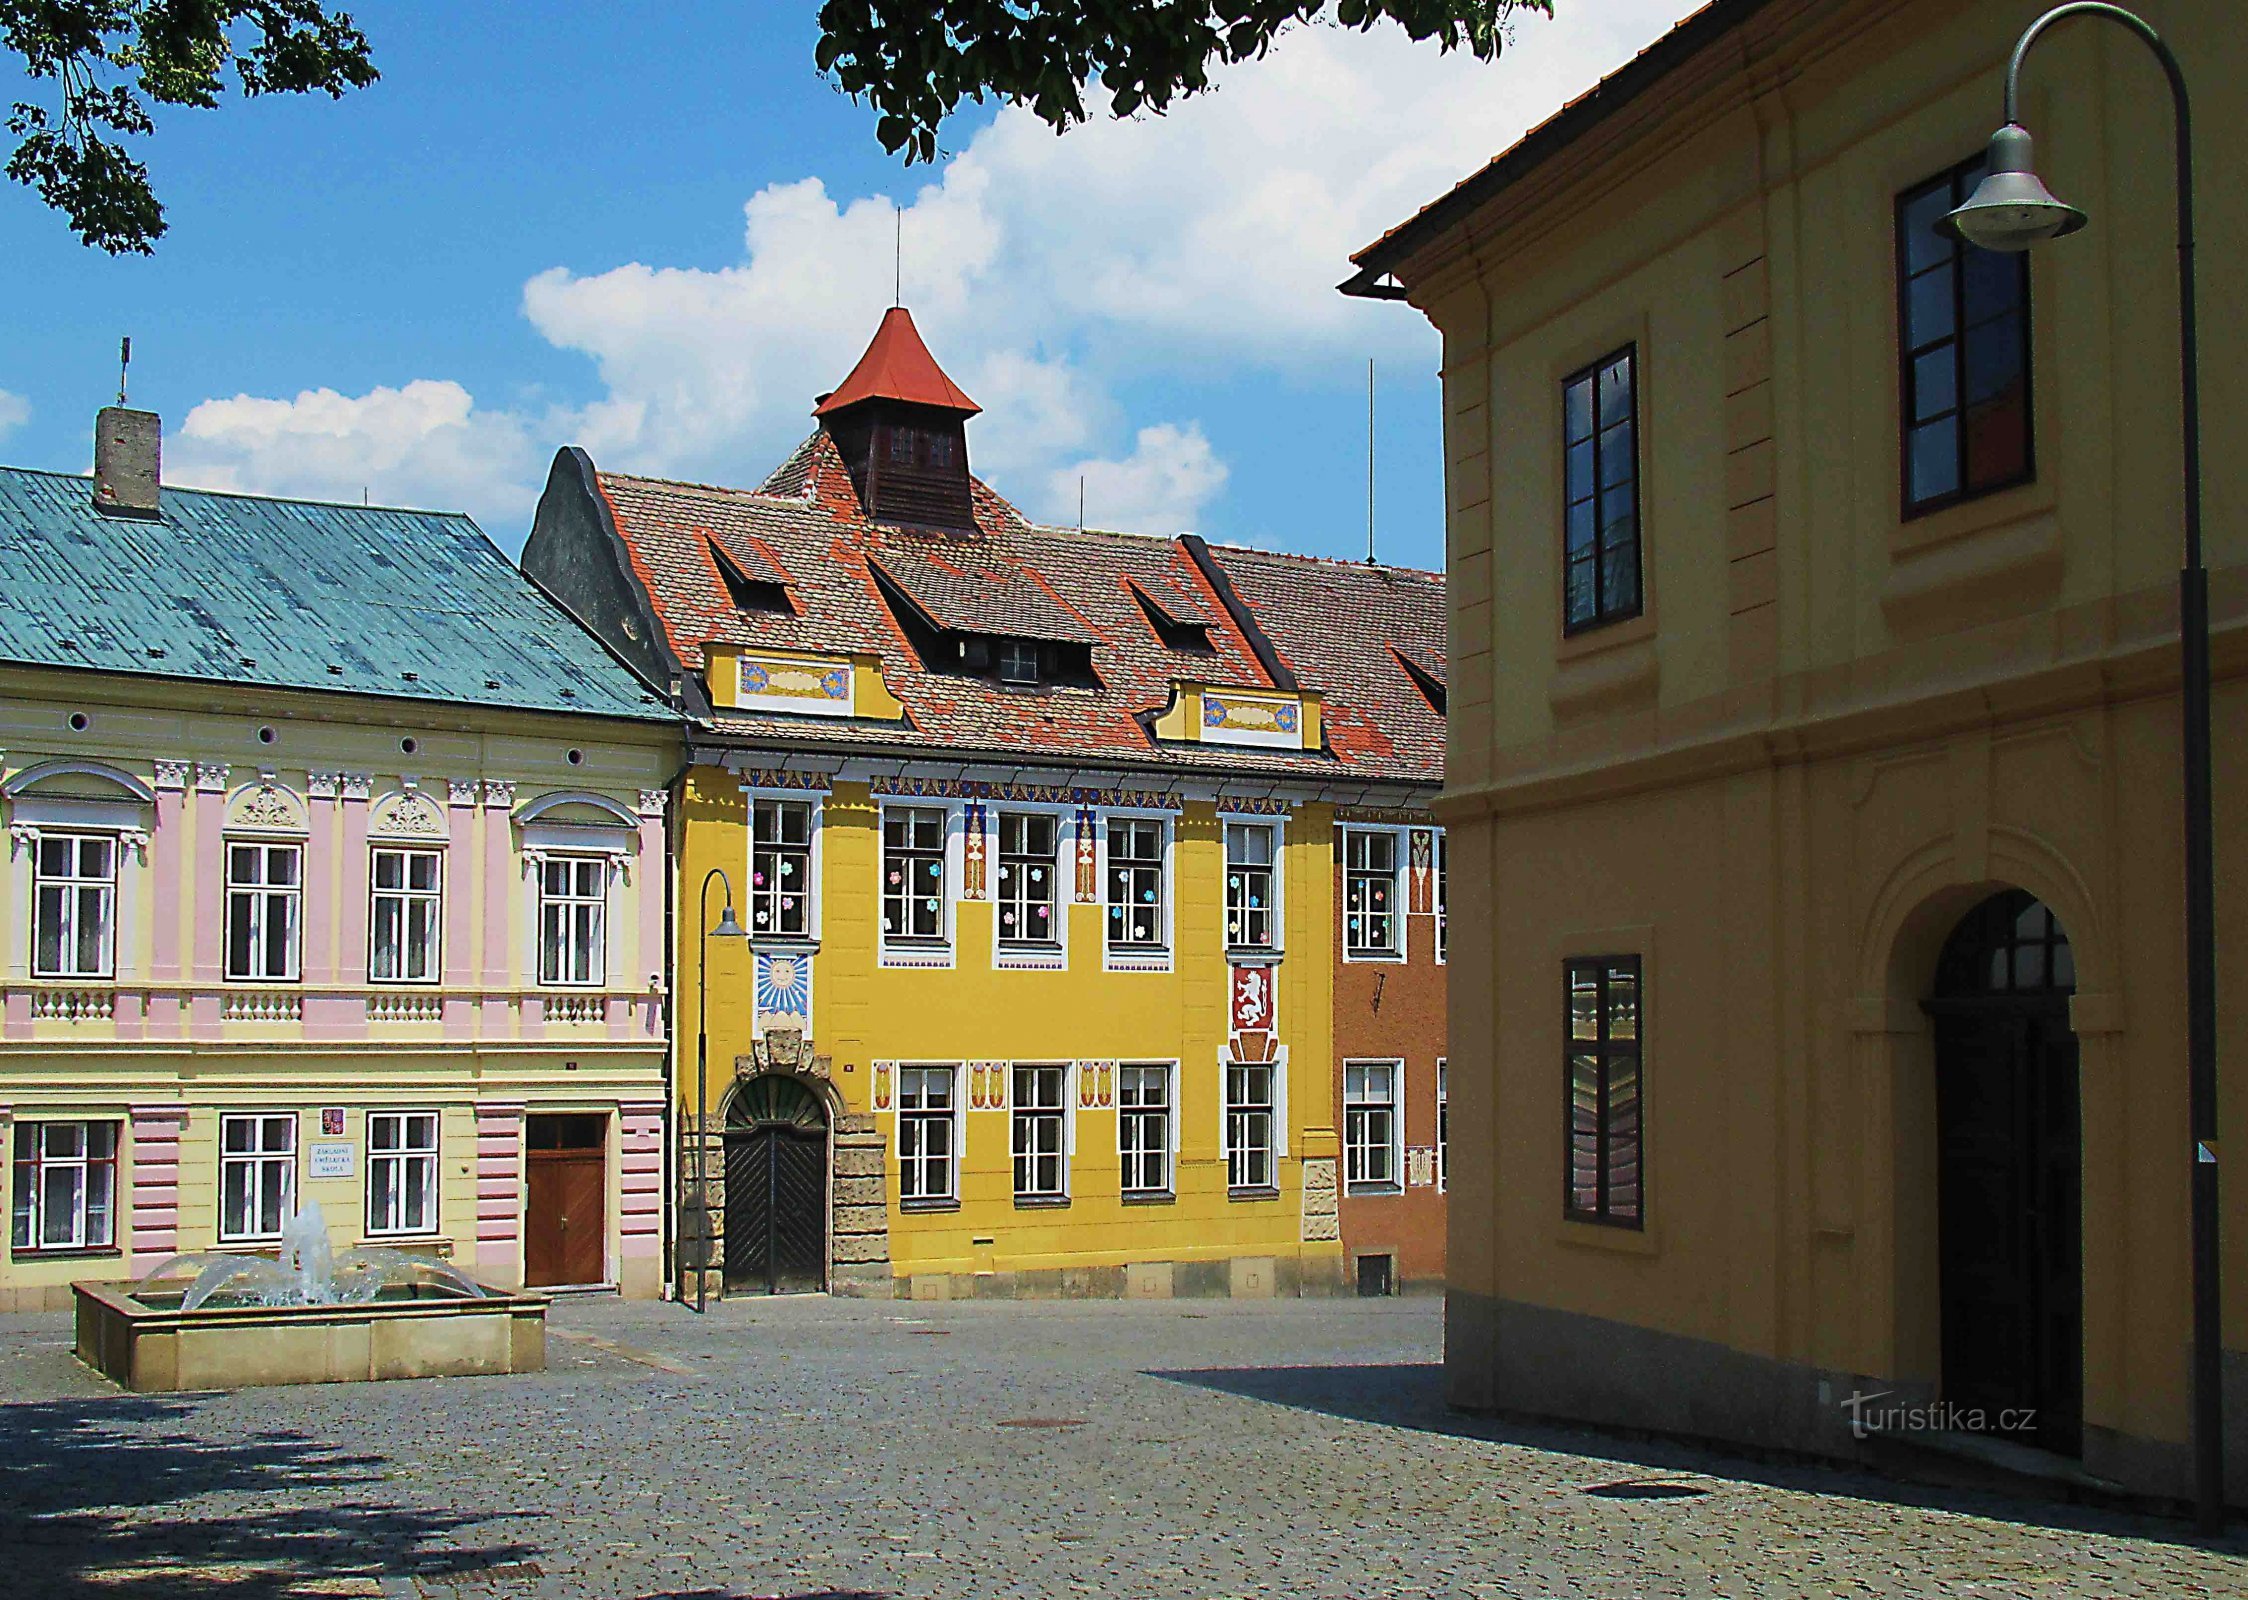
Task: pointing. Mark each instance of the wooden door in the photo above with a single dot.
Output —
(565, 1232)
(2009, 1177)
(776, 1189)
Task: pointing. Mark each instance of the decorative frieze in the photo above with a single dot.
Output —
(268, 808)
(776, 778)
(409, 815)
(651, 803)
(987, 1086)
(1096, 1085)
(211, 776)
(1046, 794)
(322, 785)
(358, 785)
(498, 792)
(462, 791)
(172, 775)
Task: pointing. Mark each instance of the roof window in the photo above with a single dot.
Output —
(750, 593)
(1177, 630)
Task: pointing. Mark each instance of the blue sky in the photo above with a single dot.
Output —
(658, 233)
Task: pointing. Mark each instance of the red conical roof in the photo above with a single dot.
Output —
(898, 366)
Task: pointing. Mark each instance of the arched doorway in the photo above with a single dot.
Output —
(2009, 1175)
(776, 1188)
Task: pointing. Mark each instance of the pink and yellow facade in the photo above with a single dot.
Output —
(262, 945)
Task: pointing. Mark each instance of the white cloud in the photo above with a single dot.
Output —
(15, 411)
(425, 444)
(1161, 487)
(1043, 270)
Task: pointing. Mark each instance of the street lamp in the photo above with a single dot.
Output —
(727, 928)
(2012, 210)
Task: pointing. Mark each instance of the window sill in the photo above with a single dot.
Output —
(1041, 1202)
(410, 1244)
(88, 1252)
(1254, 954)
(1030, 947)
(1254, 1192)
(1149, 1197)
(1389, 958)
(1371, 1191)
(928, 1204)
(1615, 1236)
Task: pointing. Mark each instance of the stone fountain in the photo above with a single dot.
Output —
(307, 1314)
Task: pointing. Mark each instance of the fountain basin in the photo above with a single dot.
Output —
(151, 1347)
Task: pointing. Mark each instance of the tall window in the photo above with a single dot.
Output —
(407, 894)
(1963, 336)
(927, 1153)
(1443, 900)
(573, 917)
(1443, 1126)
(257, 1175)
(74, 901)
(1248, 885)
(1370, 892)
(1370, 1126)
(401, 1172)
(1135, 881)
(1600, 468)
(1249, 1126)
(1143, 1126)
(264, 905)
(913, 872)
(1028, 865)
(1602, 1081)
(65, 1186)
(1039, 1131)
(780, 869)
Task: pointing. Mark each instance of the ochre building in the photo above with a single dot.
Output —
(335, 872)
(1030, 831)
(1818, 1077)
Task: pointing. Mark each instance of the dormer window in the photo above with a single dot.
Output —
(1018, 661)
(748, 591)
(1172, 624)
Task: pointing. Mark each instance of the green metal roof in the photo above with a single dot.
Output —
(231, 588)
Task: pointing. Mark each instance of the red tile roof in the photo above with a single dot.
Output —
(1013, 576)
(898, 366)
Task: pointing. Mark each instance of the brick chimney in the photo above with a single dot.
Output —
(128, 462)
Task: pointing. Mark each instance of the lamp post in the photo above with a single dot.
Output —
(727, 928)
(2012, 210)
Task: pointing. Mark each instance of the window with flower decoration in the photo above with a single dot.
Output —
(1135, 882)
(913, 887)
(1029, 863)
(780, 869)
(1249, 882)
(1370, 923)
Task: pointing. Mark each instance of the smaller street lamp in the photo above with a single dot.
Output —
(727, 928)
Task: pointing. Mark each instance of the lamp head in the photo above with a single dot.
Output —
(2011, 209)
(727, 927)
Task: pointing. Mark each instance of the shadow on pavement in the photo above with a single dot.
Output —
(1411, 1395)
(101, 1497)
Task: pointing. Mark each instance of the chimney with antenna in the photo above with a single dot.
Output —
(128, 453)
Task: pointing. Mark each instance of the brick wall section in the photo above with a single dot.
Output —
(1751, 479)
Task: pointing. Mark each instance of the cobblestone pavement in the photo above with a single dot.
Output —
(841, 1449)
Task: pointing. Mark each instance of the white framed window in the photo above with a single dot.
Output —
(401, 1172)
(1250, 1108)
(257, 1175)
(1041, 1130)
(1372, 1128)
(1371, 925)
(74, 905)
(928, 1132)
(573, 920)
(1137, 918)
(1018, 661)
(1443, 899)
(913, 874)
(1029, 910)
(1443, 1125)
(264, 910)
(408, 892)
(780, 869)
(1251, 886)
(65, 1186)
(1146, 1125)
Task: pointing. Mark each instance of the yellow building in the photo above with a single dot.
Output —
(1030, 830)
(1813, 786)
(334, 873)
